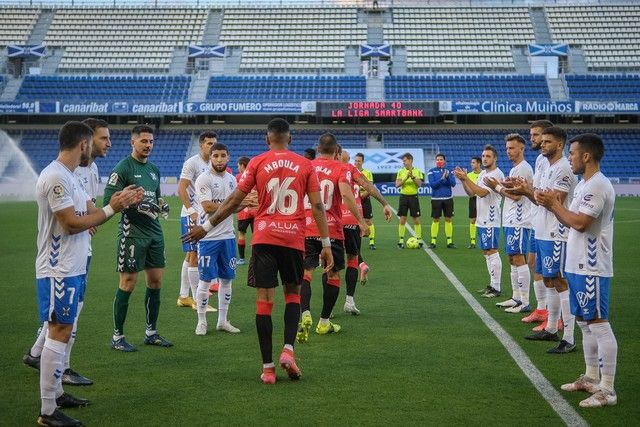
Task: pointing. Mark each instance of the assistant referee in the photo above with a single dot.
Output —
(409, 180)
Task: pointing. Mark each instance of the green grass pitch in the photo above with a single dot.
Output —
(417, 355)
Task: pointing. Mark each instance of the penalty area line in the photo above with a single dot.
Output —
(558, 403)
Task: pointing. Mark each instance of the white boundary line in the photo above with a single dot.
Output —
(544, 387)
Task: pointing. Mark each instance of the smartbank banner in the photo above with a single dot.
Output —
(390, 189)
(539, 107)
(388, 160)
(160, 108)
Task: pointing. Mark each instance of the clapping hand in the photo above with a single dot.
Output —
(546, 198)
(460, 173)
(491, 182)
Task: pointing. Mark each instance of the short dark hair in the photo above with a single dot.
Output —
(72, 133)
(407, 156)
(95, 123)
(244, 161)
(515, 136)
(541, 124)
(490, 147)
(278, 126)
(207, 134)
(138, 129)
(590, 143)
(477, 159)
(557, 132)
(310, 152)
(327, 143)
(219, 146)
(359, 155)
(441, 155)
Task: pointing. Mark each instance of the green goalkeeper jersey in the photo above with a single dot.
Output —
(140, 220)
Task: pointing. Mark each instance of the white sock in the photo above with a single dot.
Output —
(224, 299)
(349, 299)
(590, 350)
(184, 280)
(553, 304)
(515, 288)
(607, 353)
(541, 294)
(202, 298)
(36, 349)
(194, 280)
(51, 374)
(524, 282)
(494, 265)
(568, 319)
(288, 347)
(72, 339)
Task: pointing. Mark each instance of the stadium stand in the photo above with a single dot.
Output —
(293, 40)
(124, 39)
(609, 35)
(459, 38)
(603, 86)
(16, 24)
(621, 159)
(465, 87)
(286, 88)
(105, 88)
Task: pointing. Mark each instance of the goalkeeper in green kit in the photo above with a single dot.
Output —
(140, 240)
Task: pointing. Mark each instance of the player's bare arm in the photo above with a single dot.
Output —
(496, 186)
(551, 200)
(371, 189)
(350, 201)
(183, 185)
(317, 209)
(229, 206)
(120, 200)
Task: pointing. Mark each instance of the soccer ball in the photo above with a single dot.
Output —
(412, 243)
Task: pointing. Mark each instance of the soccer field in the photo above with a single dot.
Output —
(417, 355)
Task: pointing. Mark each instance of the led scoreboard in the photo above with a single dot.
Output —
(376, 110)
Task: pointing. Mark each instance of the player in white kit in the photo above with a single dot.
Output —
(489, 215)
(516, 221)
(89, 179)
(192, 168)
(65, 213)
(589, 267)
(217, 249)
(551, 239)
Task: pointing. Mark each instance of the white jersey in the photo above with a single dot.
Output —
(89, 179)
(192, 168)
(541, 165)
(590, 253)
(488, 207)
(60, 254)
(212, 187)
(518, 213)
(559, 177)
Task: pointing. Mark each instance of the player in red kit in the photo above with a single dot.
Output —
(245, 216)
(282, 179)
(334, 180)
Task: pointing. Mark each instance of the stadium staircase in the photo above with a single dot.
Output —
(11, 89)
(51, 61)
(199, 86)
(577, 62)
(520, 60)
(178, 65)
(558, 90)
(232, 61)
(42, 26)
(540, 26)
(375, 89)
(352, 61)
(211, 34)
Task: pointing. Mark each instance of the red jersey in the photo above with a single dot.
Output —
(282, 179)
(246, 213)
(330, 174)
(352, 174)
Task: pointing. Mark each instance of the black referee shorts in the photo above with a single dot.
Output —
(473, 212)
(440, 206)
(409, 204)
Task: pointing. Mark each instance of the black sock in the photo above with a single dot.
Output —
(305, 296)
(329, 299)
(351, 278)
(291, 320)
(264, 326)
(241, 250)
(360, 259)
